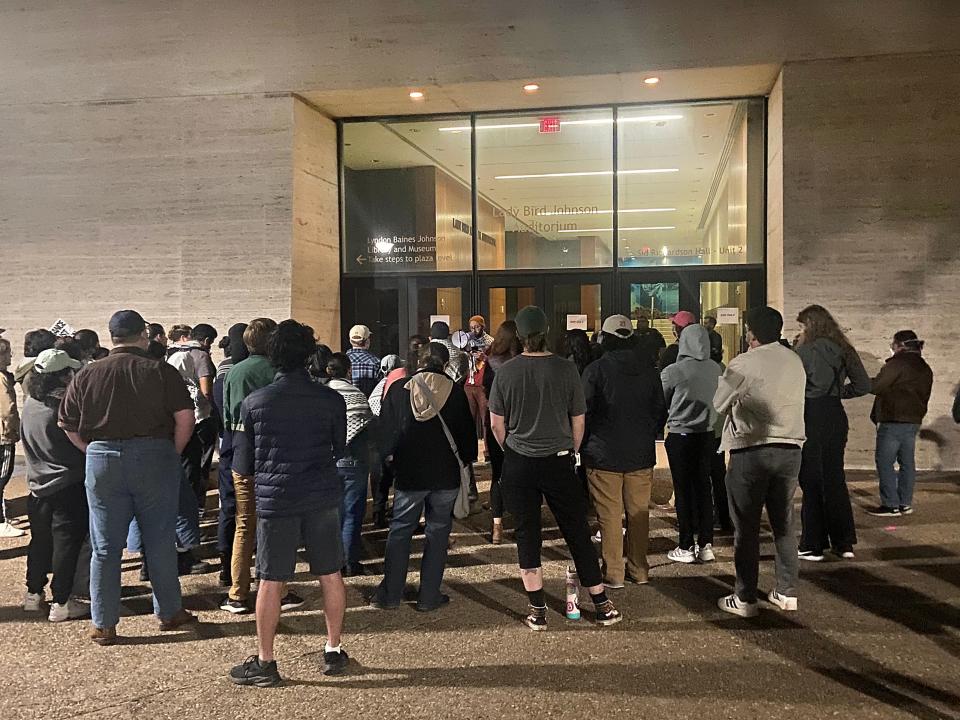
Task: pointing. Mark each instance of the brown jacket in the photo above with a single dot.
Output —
(9, 417)
(902, 389)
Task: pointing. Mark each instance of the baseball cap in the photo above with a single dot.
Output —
(530, 321)
(683, 318)
(125, 323)
(51, 361)
(359, 333)
(618, 325)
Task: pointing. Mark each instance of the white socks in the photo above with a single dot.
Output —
(328, 648)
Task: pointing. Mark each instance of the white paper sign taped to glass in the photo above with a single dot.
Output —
(440, 318)
(576, 322)
(728, 316)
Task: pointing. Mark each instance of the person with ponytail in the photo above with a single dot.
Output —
(902, 391)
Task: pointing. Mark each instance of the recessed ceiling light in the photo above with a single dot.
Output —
(651, 80)
(416, 95)
(530, 88)
(586, 173)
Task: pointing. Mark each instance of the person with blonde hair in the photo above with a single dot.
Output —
(834, 373)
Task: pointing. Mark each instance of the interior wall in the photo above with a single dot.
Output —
(315, 245)
(179, 208)
(871, 168)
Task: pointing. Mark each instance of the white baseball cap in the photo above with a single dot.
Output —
(359, 333)
(618, 325)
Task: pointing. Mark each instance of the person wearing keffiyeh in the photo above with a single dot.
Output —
(353, 467)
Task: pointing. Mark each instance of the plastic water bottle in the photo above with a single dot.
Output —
(573, 594)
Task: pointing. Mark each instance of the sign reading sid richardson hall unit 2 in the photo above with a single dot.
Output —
(406, 251)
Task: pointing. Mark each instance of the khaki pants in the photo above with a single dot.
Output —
(612, 493)
(244, 538)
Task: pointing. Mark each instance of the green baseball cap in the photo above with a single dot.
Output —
(530, 321)
(51, 361)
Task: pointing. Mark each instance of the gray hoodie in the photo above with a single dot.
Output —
(690, 384)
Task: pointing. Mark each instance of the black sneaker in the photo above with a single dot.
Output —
(444, 600)
(354, 570)
(884, 511)
(537, 619)
(255, 672)
(335, 663)
(226, 580)
(607, 614)
(906, 509)
(237, 607)
(291, 601)
(187, 564)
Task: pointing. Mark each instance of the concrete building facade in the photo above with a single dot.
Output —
(181, 158)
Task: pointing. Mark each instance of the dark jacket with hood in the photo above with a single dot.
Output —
(625, 412)
(832, 371)
(411, 431)
(902, 389)
(690, 384)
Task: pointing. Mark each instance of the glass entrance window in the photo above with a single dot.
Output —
(506, 302)
(407, 201)
(726, 302)
(378, 309)
(685, 196)
(653, 304)
(545, 190)
(445, 303)
(574, 305)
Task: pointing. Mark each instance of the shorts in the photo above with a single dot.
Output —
(278, 540)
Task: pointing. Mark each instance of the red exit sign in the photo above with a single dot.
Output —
(550, 125)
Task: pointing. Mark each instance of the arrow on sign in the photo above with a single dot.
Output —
(361, 259)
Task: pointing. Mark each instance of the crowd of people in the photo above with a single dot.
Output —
(119, 448)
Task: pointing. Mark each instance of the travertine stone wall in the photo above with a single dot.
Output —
(775, 195)
(315, 254)
(871, 217)
(179, 208)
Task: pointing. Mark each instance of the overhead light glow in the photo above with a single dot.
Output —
(591, 121)
(651, 80)
(664, 251)
(530, 88)
(623, 229)
(650, 171)
(416, 95)
(606, 212)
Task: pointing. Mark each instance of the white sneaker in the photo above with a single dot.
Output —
(784, 602)
(32, 602)
(735, 606)
(705, 554)
(596, 537)
(678, 554)
(810, 556)
(69, 610)
(9, 531)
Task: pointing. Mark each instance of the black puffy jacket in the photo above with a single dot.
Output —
(294, 431)
(626, 411)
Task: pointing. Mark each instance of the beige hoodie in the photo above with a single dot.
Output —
(428, 394)
(762, 395)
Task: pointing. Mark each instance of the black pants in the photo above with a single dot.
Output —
(7, 456)
(227, 516)
(197, 457)
(496, 468)
(689, 456)
(826, 512)
(58, 526)
(526, 482)
(718, 478)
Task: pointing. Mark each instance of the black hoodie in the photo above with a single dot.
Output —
(626, 411)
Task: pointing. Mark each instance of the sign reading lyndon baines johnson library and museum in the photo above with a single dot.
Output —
(396, 252)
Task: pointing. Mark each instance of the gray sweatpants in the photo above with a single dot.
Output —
(763, 476)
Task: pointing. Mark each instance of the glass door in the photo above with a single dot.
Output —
(444, 297)
(502, 296)
(378, 303)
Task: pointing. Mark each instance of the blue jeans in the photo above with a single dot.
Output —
(896, 443)
(188, 521)
(227, 517)
(407, 507)
(352, 508)
(129, 479)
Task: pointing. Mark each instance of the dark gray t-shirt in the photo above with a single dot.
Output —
(537, 396)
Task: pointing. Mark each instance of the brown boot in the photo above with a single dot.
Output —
(496, 535)
(104, 636)
(178, 621)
